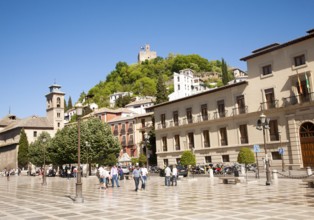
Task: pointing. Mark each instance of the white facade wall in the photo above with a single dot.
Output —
(288, 115)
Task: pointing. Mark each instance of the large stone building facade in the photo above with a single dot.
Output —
(215, 124)
(11, 126)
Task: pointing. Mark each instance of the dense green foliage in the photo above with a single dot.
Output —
(145, 79)
(23, 150)
(142, 159)
(187, 158)
(161, 95)
(246, 156)
(97, 143)
(38, 150)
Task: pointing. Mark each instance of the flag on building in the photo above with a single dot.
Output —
(300, 86)
(307, 83)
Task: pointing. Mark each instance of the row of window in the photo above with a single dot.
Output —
(123, 129)
(298, 61)
(244, 139)
(270, 102)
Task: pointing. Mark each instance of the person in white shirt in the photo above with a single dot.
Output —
(167, 176)
(114, 176)
(174, 175)
(144, 173)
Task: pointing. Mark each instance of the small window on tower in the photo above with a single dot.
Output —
(35, 134)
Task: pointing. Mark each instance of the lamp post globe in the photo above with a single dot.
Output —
(79, 197)
(263, 124)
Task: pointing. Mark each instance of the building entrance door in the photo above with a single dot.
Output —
(307, 143)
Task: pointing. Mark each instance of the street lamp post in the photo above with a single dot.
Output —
(79, 197)
(88, 147)
(146, 139)
(44, 170)
(263, 124)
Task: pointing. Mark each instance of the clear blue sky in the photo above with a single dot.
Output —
(77, 43)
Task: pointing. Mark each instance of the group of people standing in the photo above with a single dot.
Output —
(104, 176)
(140, 174)
(171, 175)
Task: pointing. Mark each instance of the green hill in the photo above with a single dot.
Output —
(141, 79)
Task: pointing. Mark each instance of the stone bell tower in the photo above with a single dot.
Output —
(55, 107)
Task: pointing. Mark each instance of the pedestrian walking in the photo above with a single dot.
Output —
(114, 176)
(7, 173)
(167, 176)
(136, 176)
(174, 175)
(144, 173)
(102, 177)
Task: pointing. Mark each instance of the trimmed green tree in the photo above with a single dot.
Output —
(142, 159)
(246, 156)
(39, 150)
(188, 159)
(23, 151)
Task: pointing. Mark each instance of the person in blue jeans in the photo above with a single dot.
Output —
(136, 176)
(167, 176)
(114, 176)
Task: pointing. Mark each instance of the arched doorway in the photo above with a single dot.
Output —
(307, 143)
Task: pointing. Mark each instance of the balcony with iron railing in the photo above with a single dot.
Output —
(220, 114)
(224, 142)
(269, 105)
(206, 144)
(122, 131)
(240, 110)
(274, 137)
(298, 99)
(244, 140)
(115, 132)
(130, 130)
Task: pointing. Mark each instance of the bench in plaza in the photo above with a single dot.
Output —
(233, 179)
(309, 181)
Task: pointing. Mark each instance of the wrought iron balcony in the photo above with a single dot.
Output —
(298, 99)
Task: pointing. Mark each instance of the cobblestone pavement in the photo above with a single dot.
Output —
(24, 197)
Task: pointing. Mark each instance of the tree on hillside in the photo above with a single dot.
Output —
(70, 105)
(23, 150)
(65, 106)
(121, 102)
(145, 87)
(225, 74)
(161, 95)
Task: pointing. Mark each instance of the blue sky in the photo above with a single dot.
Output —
(77, 43)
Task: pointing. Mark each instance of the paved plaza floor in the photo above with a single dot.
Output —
(24, 197)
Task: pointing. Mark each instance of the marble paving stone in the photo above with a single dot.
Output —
(24, 197)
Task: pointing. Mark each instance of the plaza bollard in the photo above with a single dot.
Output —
(211, 173)
(275, 174)
(309, 171)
